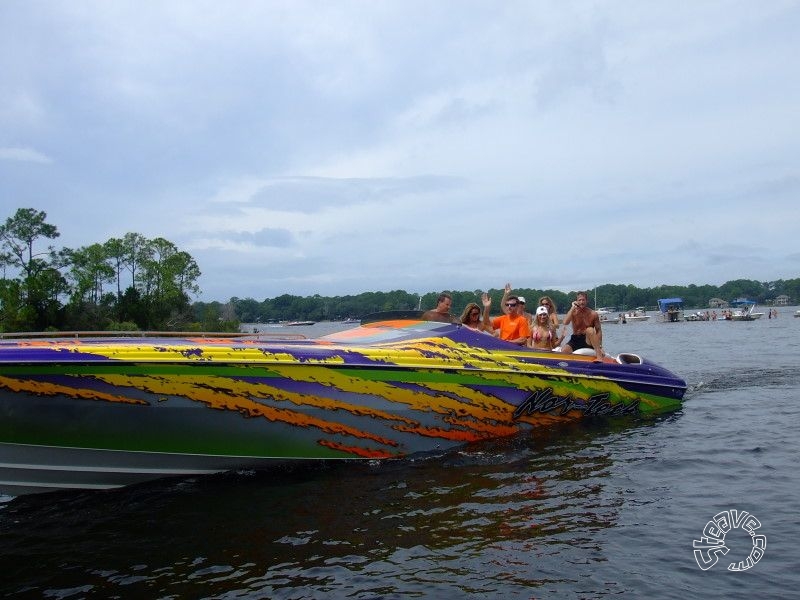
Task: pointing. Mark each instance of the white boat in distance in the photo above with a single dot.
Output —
(635, 316)
(695, 316)
(745, 310)
(632, 317)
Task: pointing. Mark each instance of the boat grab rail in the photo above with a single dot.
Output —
(626, 358)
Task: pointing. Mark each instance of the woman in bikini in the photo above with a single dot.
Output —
(543, 335)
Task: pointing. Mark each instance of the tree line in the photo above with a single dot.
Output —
(123, 283)
(135, 283)
(622, 297)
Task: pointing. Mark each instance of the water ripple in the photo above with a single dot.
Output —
(606, 508)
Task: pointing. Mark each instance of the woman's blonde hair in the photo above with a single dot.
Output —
(553, 308)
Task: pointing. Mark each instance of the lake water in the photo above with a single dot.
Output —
(609, 509)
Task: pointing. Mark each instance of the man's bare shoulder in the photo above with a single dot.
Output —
(433, 315)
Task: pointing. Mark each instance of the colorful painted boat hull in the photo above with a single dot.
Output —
(97, 413)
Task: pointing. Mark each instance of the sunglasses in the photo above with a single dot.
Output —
(545, 304)
(474, 313)
(511, 304)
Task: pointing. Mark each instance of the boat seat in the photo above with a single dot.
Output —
(585, 352)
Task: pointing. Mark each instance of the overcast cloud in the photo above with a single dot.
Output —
(341, 147)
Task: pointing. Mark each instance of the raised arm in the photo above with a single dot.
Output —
(487, 306)
(506, 294)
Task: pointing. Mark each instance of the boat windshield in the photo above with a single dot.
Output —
(387, 331)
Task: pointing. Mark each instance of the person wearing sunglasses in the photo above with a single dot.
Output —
(471, 317)
(521, 299)
(513, 326)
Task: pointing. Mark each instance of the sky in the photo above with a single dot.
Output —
(334, 148)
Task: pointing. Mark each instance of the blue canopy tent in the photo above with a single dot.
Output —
(743, 302)
(670, 308)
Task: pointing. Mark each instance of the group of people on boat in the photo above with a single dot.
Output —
(539, 330)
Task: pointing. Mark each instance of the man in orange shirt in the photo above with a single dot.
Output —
(513, 326)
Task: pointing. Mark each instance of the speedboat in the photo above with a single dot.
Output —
(745, 310)
(695, 316)
(103, 412)
(635, 316)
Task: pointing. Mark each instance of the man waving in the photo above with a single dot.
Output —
(513, 326)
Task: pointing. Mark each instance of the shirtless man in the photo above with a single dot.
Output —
(442, 310)
(586, 331)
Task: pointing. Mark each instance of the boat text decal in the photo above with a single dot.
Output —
(545, 401)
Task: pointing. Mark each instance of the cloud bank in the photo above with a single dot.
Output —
(338, 148)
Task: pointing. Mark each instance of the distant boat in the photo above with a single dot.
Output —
(623, 317)
(745, 310)
(635, 316)
(298, 323)
(671, 309)
(606, 309)
(695, 316)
